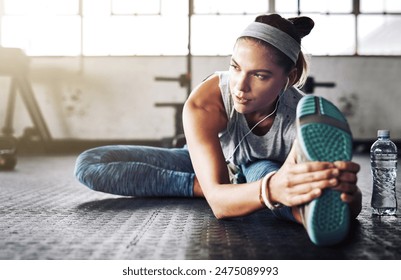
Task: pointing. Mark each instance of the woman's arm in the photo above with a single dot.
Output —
(204, 116)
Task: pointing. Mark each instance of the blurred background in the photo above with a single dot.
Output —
(82, 73)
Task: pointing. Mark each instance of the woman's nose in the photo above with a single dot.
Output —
(241, 86)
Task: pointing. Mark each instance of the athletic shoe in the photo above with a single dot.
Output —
(323, 134)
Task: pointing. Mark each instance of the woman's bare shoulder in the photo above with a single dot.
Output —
(207, 95)
(205, 106)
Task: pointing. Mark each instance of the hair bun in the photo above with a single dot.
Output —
(303, 25)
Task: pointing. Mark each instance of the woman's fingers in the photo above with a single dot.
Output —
(305, 167)
(344, 187)
(312, 166)
(322, 172)
(305, 192)
(348, 177)
(347, 198)
(303, 198)
(300, 183)
(349, 166)
(311, 172)
(311, 186)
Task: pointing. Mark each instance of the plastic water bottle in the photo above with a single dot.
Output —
(383, 158)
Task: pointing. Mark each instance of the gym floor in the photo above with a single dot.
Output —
(46, 214)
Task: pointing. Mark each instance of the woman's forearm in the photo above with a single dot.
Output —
(233, 200)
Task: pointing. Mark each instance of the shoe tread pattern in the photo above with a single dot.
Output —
(329, 227)
(326, 143)
(323, 142)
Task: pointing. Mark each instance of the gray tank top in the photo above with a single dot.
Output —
(274, 145)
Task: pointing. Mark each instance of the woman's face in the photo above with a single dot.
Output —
(255, 79)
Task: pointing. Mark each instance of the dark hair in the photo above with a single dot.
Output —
(297, 28)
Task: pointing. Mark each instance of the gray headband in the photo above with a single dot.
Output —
(275, 37)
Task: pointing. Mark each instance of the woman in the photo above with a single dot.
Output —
(248, 146)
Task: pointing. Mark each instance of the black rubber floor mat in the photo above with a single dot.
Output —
(46, 214)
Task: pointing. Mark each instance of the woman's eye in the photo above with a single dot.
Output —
(261, 77)
(234, 66)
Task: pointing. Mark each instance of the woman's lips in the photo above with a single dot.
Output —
(241, 100)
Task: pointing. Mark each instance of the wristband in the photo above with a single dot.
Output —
(260, 194)
(264, 192)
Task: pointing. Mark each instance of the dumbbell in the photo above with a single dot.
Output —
(8, 149)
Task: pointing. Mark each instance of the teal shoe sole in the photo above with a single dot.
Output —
(328, 221)
(324, 135)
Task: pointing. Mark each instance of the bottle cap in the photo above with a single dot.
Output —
(383, 133)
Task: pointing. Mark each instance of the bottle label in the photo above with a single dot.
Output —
(386, 156)
(384, 164)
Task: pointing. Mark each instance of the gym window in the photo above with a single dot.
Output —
(160, 27)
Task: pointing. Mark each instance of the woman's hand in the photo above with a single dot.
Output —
(298, 183)
(347, 180)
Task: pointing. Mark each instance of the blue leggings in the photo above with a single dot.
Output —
(152, 172)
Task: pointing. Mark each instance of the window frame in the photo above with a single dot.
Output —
(356, 12)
